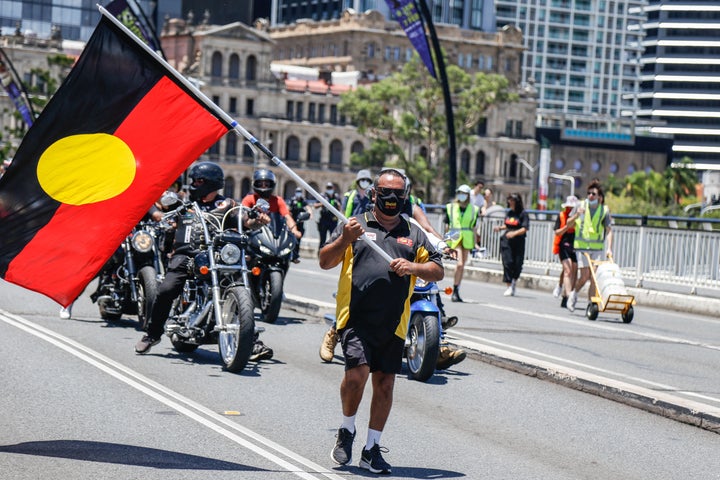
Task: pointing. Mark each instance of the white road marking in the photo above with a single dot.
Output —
(254, 442)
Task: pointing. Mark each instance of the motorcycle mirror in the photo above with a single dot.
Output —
(452, 235)
(169, 199)
(302, 217)
(262, 205)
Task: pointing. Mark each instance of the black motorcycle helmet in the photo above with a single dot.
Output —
(261, 179)
(205, 178)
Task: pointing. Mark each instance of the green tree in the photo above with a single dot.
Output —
(405, 111)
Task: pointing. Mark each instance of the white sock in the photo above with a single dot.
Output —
(348, 423)
(373, 438)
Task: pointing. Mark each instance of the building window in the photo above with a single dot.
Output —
(311, 112)
(321, 113)
(250, 107)
(232, 106)
(357, 148)
(289, 109)
(480, 163)
(234, 68)
(508, 128)
(518, 129)
(333, 114)
(614, 168)
(298, 112)
(596, 166)
(292, 149)
(314, 151)
(216, 65)
(231, 145)
(336, 153)
(578, 165)
(465, 162)
(251, 69)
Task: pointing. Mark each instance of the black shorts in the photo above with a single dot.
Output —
(567, 251)
(386, 357)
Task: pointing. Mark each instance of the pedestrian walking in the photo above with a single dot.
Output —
(512, 241)
(373, 308)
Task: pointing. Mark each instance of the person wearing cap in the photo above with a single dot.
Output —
(356, 200)
(563, 247)
(461, 215)
(327, 221)
(298, 204)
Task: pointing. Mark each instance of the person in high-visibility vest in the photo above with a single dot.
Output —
(461, 215)
(593, 235)
(356, 201)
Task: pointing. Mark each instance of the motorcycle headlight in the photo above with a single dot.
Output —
(420, 283)
(230, 254)
(285, 251)
(265, 250)
(142, 241)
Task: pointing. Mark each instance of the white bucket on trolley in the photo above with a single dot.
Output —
(609, 280)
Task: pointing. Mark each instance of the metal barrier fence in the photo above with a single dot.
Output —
(666, 259)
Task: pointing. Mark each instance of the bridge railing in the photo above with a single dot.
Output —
(672, 259)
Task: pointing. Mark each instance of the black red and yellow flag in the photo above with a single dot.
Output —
(121, 128)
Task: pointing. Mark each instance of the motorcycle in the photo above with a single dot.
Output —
(271, 249)
(127, 284)
(216, 305)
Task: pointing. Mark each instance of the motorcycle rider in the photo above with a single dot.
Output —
(298, 204)
(264, 182)
(206, 179)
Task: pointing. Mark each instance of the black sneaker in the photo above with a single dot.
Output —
(145, 343)
(260, 351)
(372, 460)
(342, 452)
(563, 302)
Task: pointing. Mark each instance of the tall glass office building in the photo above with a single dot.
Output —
(469, 14)
(680, 75)
(76, 19)
(580, 54)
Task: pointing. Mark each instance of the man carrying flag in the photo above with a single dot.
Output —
(121, 128)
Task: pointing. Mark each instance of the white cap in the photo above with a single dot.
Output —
(570, 201)
(463, 189)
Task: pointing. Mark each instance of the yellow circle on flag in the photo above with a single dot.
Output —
(86, 168)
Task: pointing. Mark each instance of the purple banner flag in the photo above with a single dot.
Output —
(13, 87)
(407, 15)
(135, 22)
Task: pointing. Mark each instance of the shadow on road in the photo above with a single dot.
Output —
(122, 454)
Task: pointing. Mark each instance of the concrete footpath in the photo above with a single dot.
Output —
(657, 402)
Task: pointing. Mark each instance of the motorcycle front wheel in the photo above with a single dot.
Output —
(236, 341)
(146, 293)
(424, 346)
(271, 292)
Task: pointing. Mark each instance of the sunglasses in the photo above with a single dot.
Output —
(592, 194)
(384, 192)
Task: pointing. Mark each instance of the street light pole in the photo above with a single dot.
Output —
(567, 178)
(532, 169)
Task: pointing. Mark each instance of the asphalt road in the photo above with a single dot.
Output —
(78, 403)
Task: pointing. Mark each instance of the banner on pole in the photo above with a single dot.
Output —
(12, 85)
(407, 15)
(136, 22)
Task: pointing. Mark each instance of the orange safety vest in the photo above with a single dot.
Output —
(556, 240)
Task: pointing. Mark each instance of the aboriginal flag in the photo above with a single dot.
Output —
(121, 128)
